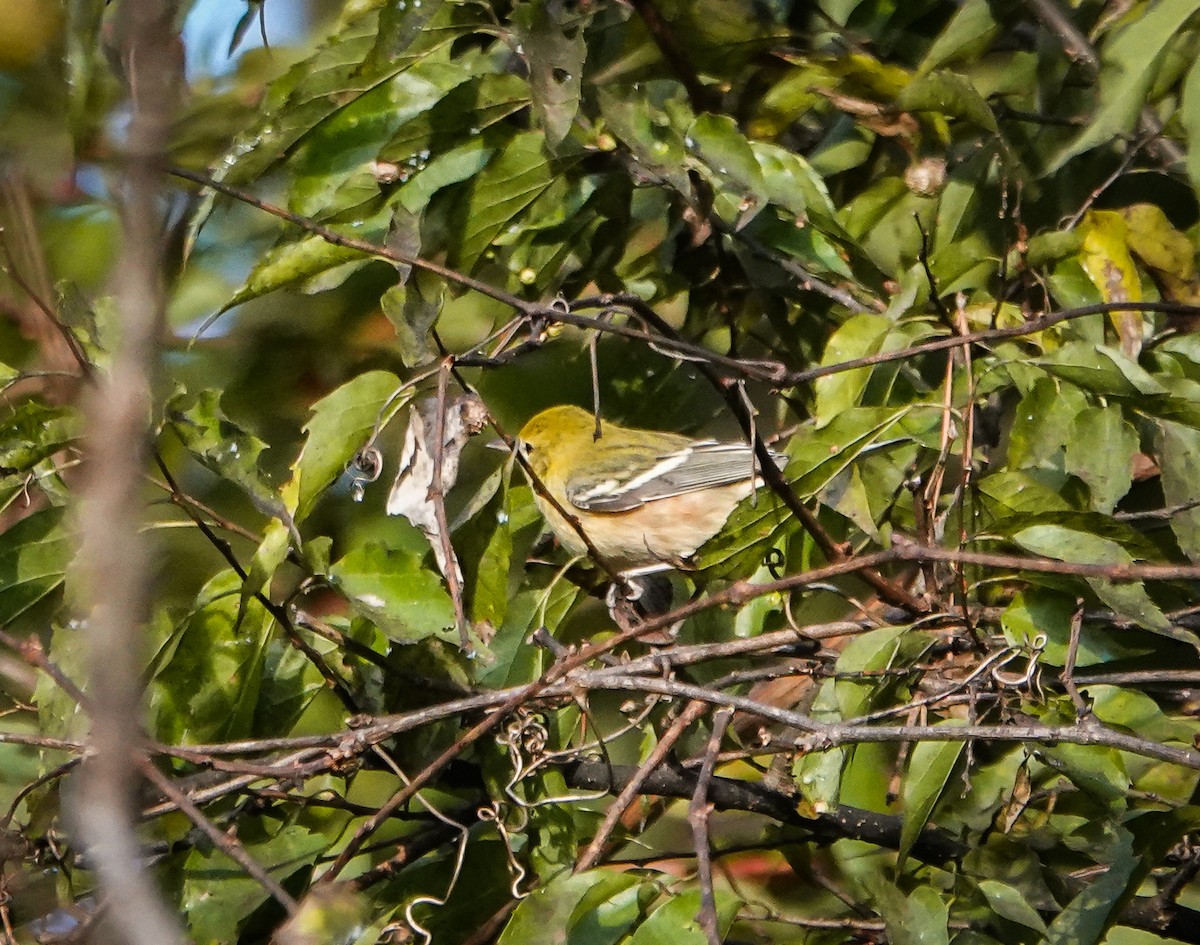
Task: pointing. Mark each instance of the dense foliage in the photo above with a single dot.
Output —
(936, 683)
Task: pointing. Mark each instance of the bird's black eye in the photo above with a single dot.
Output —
(525, 447)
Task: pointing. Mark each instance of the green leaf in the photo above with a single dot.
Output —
(1037, 612)
(296, 261)
(857, 337)
(951, 95)
(968, 34)
(929, 769)
(33, 560)
(351, 64)
(1009, 903)
(548, 908)
(718, 141)
(1128, 599)
(271, 552)
(607, 909)
(31, 432)
(1189, 115)
(1179, 460)
(1042, 425)
(643, 124)
(413, 307)
(789, 181)
(1090, 914)
(1100, 449)
(218, 896)
(674, 922)
(1129, 66)
(920, 919)
(1133, 711)
(207, 688)
(451, 167)
(391, 588)
(354, 136)
(501, 193)
(341, 424)
(555, 52)
(222, 446)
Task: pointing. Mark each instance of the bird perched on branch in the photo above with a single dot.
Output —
(644, 498)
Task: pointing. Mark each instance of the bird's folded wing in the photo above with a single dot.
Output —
(702, 465)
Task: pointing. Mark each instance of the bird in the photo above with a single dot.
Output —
(645, 499)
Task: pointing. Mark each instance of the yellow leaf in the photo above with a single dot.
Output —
(1157, 243)
(1109, 264)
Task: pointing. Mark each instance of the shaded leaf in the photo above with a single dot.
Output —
(222, 446)
(1088, 916)
(32, 431)
(555, 51)
(948, 94)
(33, 560)
(674, 922)
(218, 896)
(207, 689)
(413, 307)
(1179, 460)
(1129, 65)
(1011, 904)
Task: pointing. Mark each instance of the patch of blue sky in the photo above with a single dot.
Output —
(208, 31)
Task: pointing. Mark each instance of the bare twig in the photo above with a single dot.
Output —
(591, 855)
(698, 813)
(1082, 709)
(227, 843)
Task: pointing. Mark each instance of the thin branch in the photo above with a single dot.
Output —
(1082, 709)
(335, 682)
(227, 843)
(698, 813)
(592, 853)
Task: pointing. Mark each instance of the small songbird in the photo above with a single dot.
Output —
(645, 499)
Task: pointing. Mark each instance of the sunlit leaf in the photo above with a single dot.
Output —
(501, 192)
(1128, 599)
(393, 589)
(927, 780)
(675, 923)
(1129, 65)
(342, 422)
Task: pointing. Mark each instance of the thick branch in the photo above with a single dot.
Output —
(113, 558)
